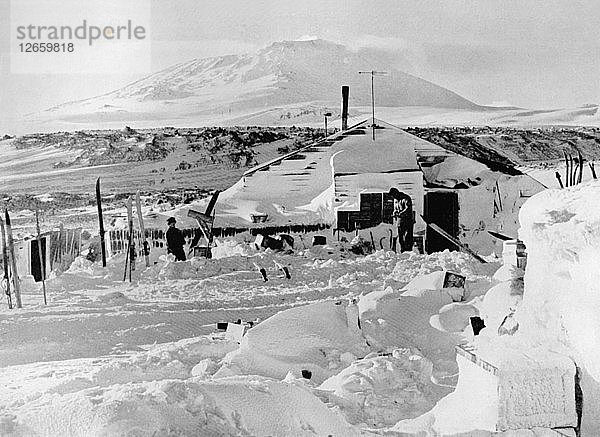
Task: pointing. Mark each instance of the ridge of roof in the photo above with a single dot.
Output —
(277, 160)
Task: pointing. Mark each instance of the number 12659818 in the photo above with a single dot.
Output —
(46, 47)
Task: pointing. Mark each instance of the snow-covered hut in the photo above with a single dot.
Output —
(342, 182)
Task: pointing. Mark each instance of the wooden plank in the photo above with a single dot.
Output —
(500, 236)
(454, 241)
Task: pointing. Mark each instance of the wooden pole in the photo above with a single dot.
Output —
(557, 174)
(13, 261)
(126, 262)
(40, 254)
(567, 179)
(5, 262)
(580, 178)
(145, 245)
(101, 222)
(591, 164)
(130, 249)
(61, 236)
(79, 243)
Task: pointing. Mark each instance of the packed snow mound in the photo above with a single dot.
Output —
(314, 337)
(380, 390)
(113, 298)
(228, 248)
(227, 407)
(413, 264)
(430, 281)
(433, 284)
(93, 396)
(468, 409)
(83, 274)
(393, 319)
(561, 230)
(454, 317)
(500, 301)
(455, 170)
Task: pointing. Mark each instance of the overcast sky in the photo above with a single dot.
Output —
(534, 54)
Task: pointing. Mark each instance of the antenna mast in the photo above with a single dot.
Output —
(373, 73)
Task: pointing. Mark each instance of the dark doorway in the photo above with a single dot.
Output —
(36, 266)
(441, 208)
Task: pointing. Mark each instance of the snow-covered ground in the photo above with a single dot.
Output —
(107, 357)
(350, 345)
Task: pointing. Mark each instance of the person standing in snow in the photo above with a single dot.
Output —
(403, 221)
(175, 240)
(406, 226)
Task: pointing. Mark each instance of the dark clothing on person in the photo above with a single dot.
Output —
(175, 243)
(405, 230)
(404, 220)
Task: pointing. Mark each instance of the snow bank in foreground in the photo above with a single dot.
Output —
(561, 229)
(561, 302)
(557, 319)
(227, 407)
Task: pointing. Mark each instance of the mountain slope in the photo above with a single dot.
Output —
(284, 73)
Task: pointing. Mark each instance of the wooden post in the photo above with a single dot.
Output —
(144, 243)
(591, 164)
(5, 262)
(40, 254)
(567, 178)
(13, 261)
(60, 243)
(557, 174)
(129, 255)
(101, 222)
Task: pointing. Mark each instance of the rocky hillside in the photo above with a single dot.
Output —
(230, 147)
(505, 146)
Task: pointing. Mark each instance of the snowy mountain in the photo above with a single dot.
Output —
(288, 83)
(282, 74)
